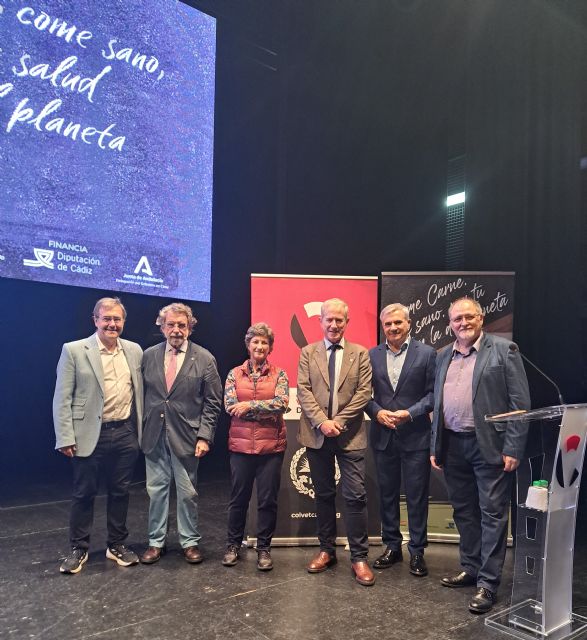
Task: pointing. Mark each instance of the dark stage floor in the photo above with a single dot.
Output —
(172, 599)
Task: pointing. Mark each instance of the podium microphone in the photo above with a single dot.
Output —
(514, 347)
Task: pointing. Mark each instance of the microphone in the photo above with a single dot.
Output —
(514, 347)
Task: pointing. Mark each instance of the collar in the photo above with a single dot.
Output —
(183, 347)
(248, 366)
(104, 349)
(475, 346)
(328, 344)
(404, 346)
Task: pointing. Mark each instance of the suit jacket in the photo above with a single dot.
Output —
(354, 391)
(414, 391)
(190, 409)
(78, 401)
(499, 385)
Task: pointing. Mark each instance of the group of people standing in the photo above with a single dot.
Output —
(109, 402)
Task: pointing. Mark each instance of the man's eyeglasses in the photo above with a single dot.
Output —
(467, 318)
(179, 325)
(109, 319)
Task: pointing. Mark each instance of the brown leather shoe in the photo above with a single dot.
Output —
(321, 562)
(264, 560)
(363, 573)
(231, 556)
(193, 555)
(152, 554)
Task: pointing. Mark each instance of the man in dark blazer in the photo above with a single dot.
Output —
(334, 386)
(478, 375)
(97, 413)
(183, 396)
(403, 397)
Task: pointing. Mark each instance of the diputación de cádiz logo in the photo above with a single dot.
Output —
(299, 472)
(43, 258)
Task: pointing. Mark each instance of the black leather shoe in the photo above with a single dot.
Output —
(482, 601)
(385, 560)
(462, 579)
(418, 566)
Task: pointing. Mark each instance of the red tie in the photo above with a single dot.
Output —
(171, 370)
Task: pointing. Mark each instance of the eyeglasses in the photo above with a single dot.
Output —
(109, 319)
(467, 318)
(179, 325)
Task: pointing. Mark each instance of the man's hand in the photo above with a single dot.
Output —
(509, 463)
(68, 451)
(239, 409)
(331, 428)
(401, 416)
(392, 419)
(202, 448)
(386, 418)
(438, 467)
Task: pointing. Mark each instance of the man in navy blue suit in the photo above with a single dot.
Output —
(403, 396)
(477, 375)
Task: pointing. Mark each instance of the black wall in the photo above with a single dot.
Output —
(335, 122)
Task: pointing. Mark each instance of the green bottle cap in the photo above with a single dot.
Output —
(540, 483)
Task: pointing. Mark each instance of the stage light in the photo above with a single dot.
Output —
(456, 198)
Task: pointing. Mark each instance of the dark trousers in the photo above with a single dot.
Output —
(114, 459)
(352, 479)
(392, 464)
(245, 469)
(480, 495)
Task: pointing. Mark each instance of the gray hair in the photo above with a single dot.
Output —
(477, 306)
(262, 330)
(108, 302)
(334, 302)
(176, 307)
(392, 308)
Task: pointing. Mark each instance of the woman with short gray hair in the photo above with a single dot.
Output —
(256, 396)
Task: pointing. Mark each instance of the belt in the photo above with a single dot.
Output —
(461, 434)
(113, 424)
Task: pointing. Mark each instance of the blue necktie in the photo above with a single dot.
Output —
(332, 376)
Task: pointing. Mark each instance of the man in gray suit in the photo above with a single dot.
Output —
(97, 413)
(183, 395)
(334, 386)
(477, 375)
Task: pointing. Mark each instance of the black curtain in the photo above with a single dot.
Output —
(335, 122)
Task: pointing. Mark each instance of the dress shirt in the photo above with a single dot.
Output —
(395, 361)
(181, 351)
(118, 390)
(457, 401)
(337, 366)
